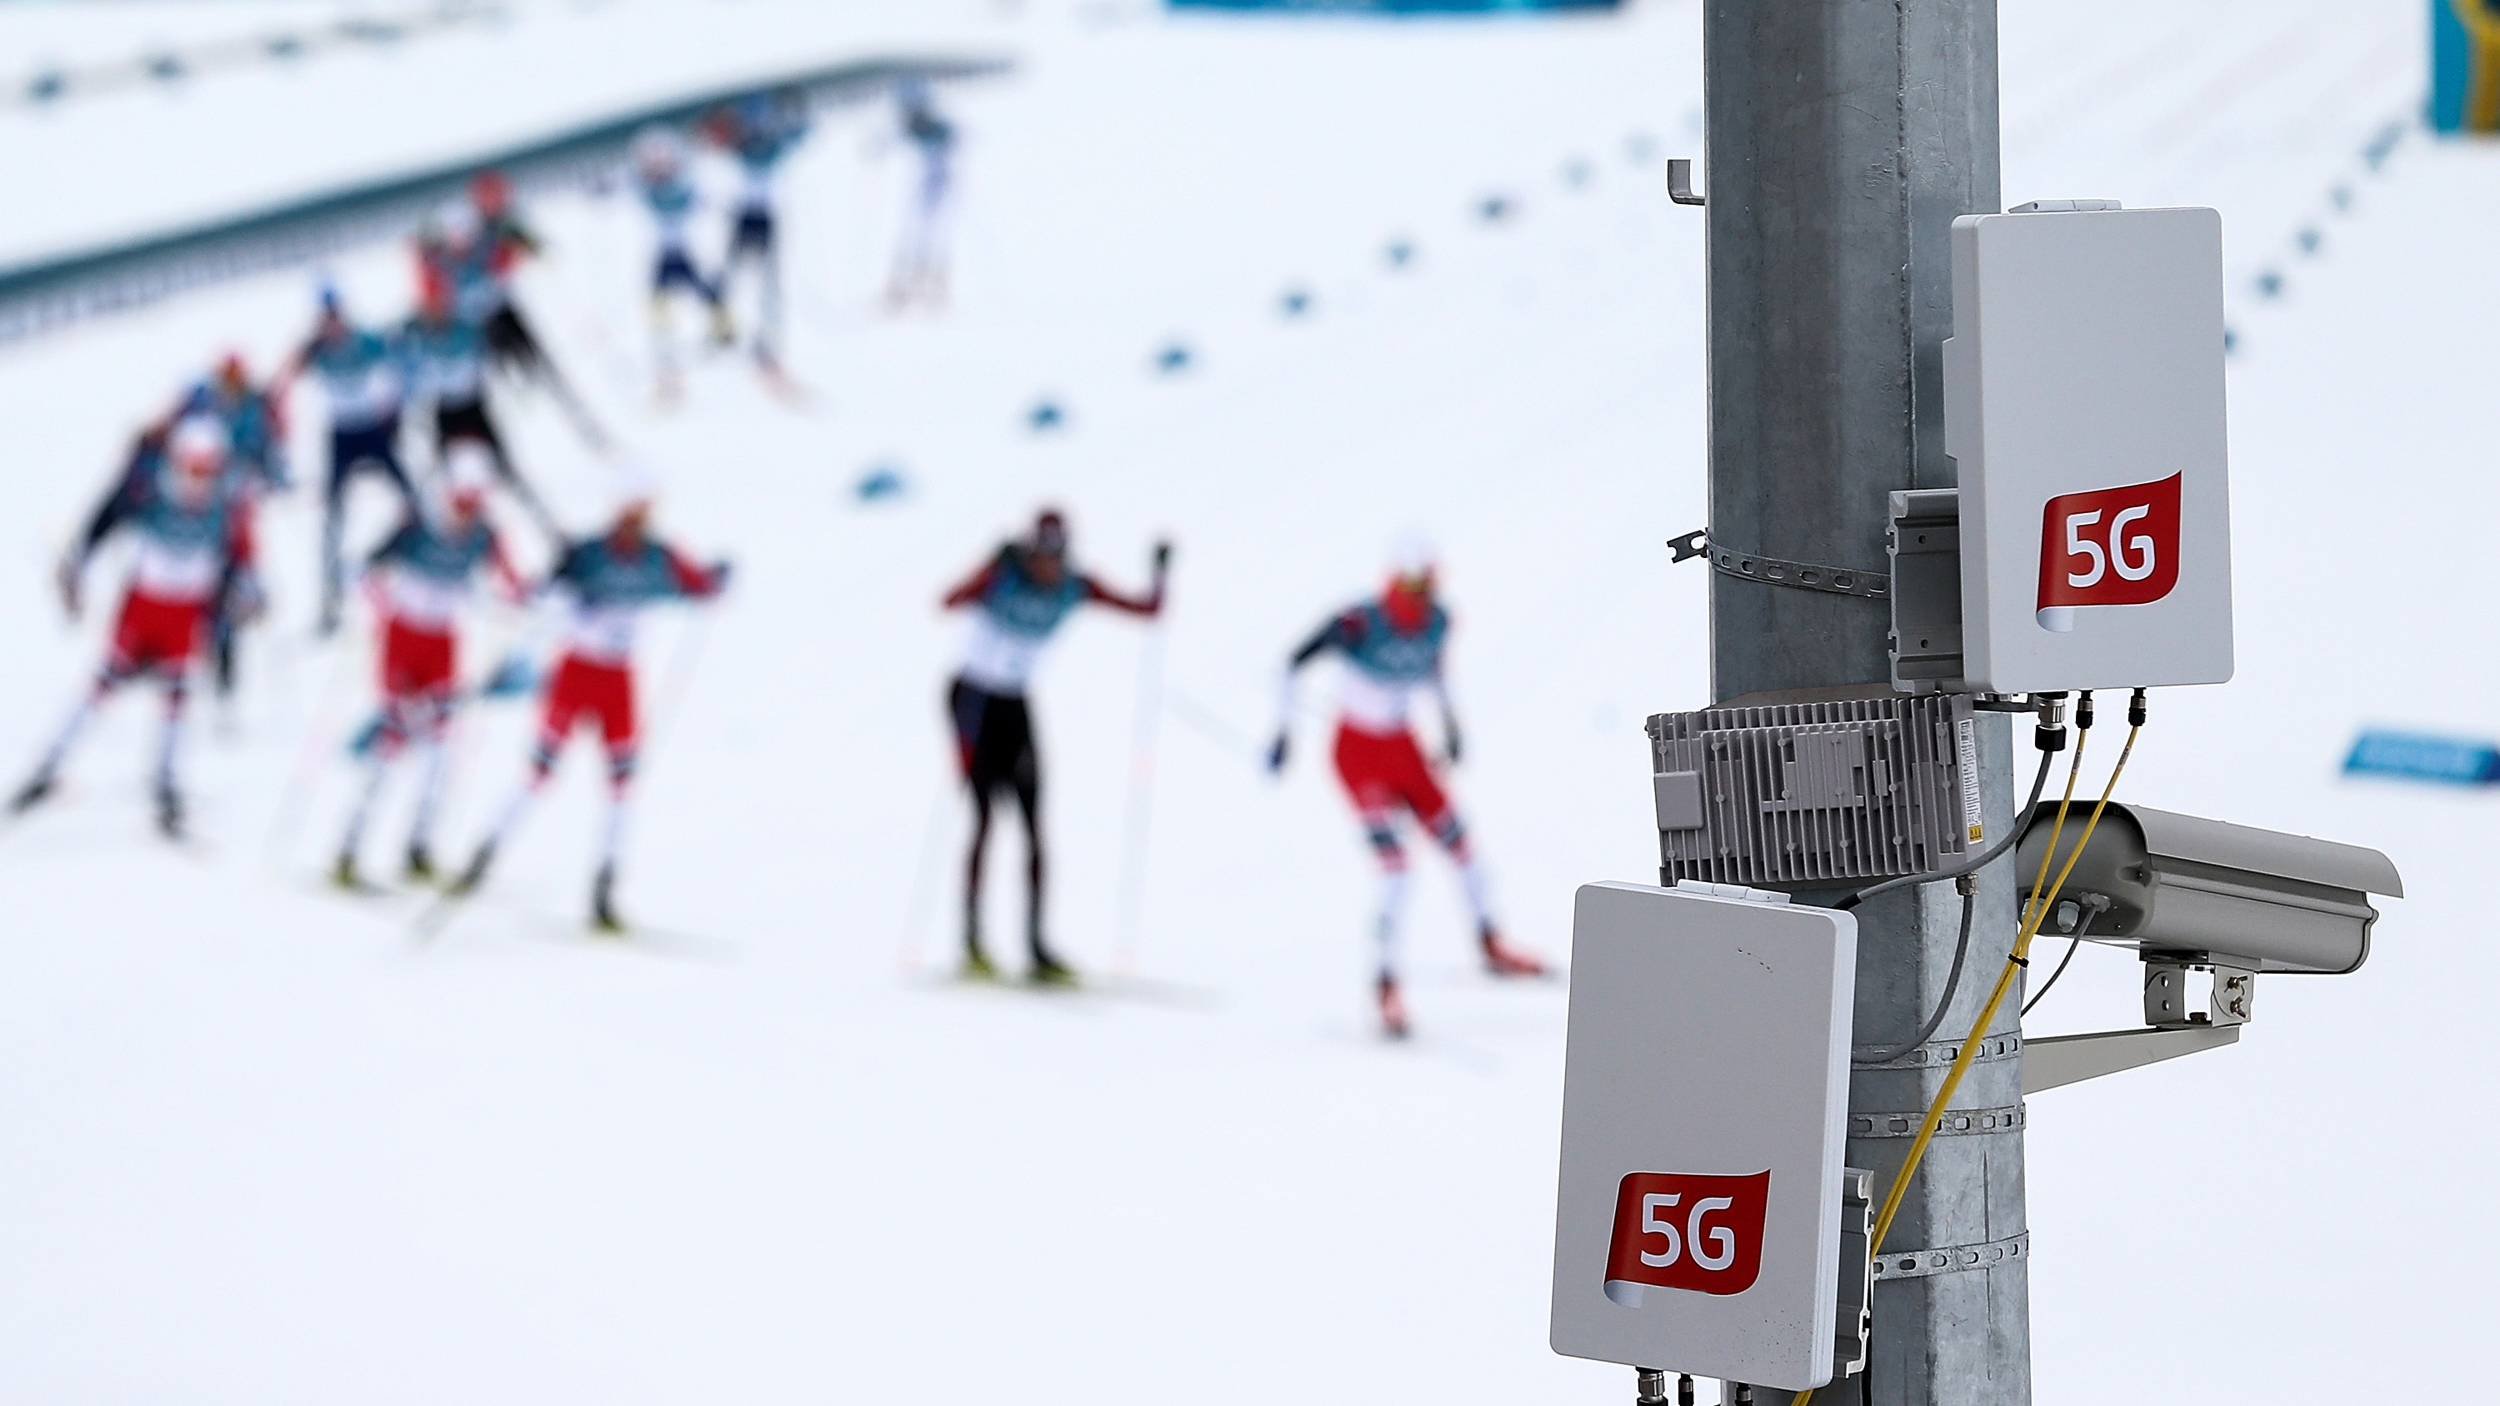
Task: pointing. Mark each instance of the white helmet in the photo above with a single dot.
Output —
(658, 149)
(468, 471)
(1411, 557)
(199, 443)
(456, 223)
(636, 485)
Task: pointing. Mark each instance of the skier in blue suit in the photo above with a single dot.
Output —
(759, 130)
(362, 378)
(669, 194)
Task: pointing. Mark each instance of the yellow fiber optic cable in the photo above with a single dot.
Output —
(2043, 900)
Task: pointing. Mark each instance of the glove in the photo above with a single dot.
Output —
(247, 602)
(1276, 754)
(511, 678)
(1163, 556)
(720, 576)
(1450, 748)
(67, 580)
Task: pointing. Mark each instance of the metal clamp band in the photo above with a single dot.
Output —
(1772, 571)
(1936, 1054)
(1951, 1259)
(1806, 576)
(1956, 1122)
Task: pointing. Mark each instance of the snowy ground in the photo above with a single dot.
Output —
(256, 1145)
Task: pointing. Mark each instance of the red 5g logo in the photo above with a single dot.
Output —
(1674, 1231)
(2111, 546)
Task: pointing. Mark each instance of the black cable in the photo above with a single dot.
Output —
(2022, 826)
(1952, 982)
(2072, 947)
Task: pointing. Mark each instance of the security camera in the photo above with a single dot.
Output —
(2204, 892)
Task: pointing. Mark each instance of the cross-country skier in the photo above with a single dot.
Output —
(1019, 599)
(606, 582)
(759, 130)
(503, 241)
(255, 424)
(191, 514)
(668, 192)
(470, 250)
(1392, 648)
(254, 419)
(419, 579)
(920, 264)
(360, 376)
(443, 358)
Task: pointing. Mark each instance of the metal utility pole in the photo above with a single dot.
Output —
(1844, 137)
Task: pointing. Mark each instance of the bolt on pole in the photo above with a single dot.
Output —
(1844, 136)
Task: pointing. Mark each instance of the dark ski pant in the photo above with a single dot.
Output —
(752, 241)
(353, 450)
(238, 596)
(456, 420)
(994, 748)
(510, 342)
(678, 271)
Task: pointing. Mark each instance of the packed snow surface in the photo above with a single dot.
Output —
(259, 1143)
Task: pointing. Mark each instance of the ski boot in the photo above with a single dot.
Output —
(977, 965)
(420, 868)
(343, 875)
(1506, 961)
(475, 874)
(1392, 1008)
(168, 811)
(724, 331)
(31, 794)
(603, 917)
(1047, 969)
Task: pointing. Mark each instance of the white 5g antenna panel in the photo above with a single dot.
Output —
(2084, 406)
(1705, 1099)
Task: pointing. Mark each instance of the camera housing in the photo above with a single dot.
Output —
(2205, 892)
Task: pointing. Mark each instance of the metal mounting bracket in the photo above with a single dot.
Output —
(1854, 1325)
(1951, 1259)
(1924, 540)
(1772, 571)
(1680, 181)
(2052, 1061)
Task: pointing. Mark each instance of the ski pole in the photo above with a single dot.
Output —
(668, 699)
(924, 884)
(561, 387)
(318, 738)
(1141, 782)
(1207, 723)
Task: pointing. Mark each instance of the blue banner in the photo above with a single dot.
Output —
(1398, 7)
(2465, 65)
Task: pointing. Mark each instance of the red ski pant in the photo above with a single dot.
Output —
(416, 662)
(417, 671)
(581, 690)
(153, 633)
(1384, 771)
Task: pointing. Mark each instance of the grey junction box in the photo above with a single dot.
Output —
(1799, 795)
(1698, 1222)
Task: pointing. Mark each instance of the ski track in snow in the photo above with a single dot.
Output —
(256, 1145)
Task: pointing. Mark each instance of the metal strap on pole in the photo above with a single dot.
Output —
(1952, 1259)
(1776, 571)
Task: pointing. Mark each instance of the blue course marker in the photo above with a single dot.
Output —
(2455, 760)
(880, 483)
